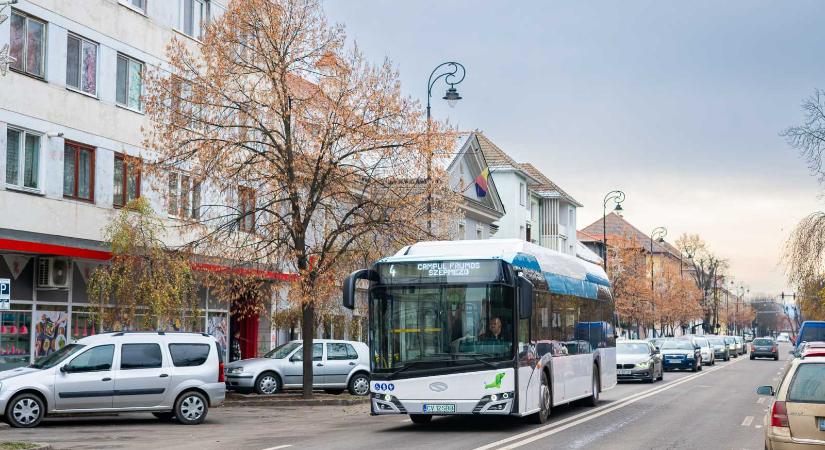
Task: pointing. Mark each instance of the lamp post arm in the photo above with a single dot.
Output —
(449, 75)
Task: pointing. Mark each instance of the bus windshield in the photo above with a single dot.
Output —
(438, 326)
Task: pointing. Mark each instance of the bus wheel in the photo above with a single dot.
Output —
(593, 400)
(421, 418)
(545, 401)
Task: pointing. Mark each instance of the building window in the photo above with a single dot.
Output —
(193, 16)
(28, 44)
(78, 171)
(81, 64)
(522, 194)
(246, 207)
(139, 5)
(461, 231)
(184, 196)
(129, 83)
(479, 234)
(22, 159)
(127, 179)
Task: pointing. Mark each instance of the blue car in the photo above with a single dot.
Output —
(681, 354)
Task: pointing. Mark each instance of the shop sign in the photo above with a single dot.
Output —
(5, 294)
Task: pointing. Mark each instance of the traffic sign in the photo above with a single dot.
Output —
(5, 294)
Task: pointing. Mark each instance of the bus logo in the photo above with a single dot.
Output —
(438, 386)
(496, 384)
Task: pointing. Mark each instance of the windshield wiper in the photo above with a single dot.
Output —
(477, 357)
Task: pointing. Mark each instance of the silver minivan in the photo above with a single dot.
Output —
(172, 375)
(337, 365)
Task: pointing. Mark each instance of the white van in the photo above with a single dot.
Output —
(172, 375)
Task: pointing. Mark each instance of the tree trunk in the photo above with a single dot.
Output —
(307, 333)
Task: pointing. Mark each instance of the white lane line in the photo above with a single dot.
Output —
(757, 426)
(279, 446)
(407, 420)
(760, 400)
(577, 419)
(748, 421)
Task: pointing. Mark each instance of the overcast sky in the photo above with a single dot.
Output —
(679, 104)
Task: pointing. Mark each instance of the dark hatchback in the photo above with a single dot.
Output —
(764, 348)
(681, 354)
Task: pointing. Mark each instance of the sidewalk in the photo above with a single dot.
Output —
(292, 398)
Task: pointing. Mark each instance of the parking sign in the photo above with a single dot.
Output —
(5, 293)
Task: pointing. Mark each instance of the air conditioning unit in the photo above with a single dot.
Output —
(53, 273)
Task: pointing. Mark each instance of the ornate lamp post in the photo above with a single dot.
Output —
(658, 234)
(453, 73)
(617, 197)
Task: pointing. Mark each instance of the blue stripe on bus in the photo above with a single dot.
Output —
(561, 284)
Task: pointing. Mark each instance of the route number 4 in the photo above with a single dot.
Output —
(5, 294)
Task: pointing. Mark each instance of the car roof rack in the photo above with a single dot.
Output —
(161, 333)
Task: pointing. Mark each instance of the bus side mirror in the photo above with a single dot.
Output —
(525, 297)
(350, 283)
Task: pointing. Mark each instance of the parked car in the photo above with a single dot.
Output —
(339, 365)
(796, 418)
(172, 375)
(680, 354)
(638, 360)
(811, 349)
(705, 349)
(732, 346)
(765, 347)
(743, 347)
(810, 331)
(720, 348)
(657, 342)
(748, 337)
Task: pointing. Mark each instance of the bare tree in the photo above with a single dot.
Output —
(706, 269)
(316, 157)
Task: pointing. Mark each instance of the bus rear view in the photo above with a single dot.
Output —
(475, 328)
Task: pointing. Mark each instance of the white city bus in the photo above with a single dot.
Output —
(486, 327)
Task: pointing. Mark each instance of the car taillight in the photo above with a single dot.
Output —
(221, 377)
(753, 348)
(773, 349)
(779, 415)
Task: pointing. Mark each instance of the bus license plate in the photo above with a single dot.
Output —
(822, 424)
(439, 408)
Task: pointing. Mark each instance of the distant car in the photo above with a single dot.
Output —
(764, 348)
(171, 375)
(796, 419)
(743, 347)
(732, 346)
(681, 354)
(783, 337)
(657, 342)
(720, 348)
(338, 365)
(638, 360)
(748, 337)
(706, 350)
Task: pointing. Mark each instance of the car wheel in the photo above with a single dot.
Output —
(661, 374)
(268, 383)
(694, 369)
(164, 416)
(421, 418)
(191, 408)
(752, 358)
(359, 384)
(25, 411)
(593, 400)
(776, 358)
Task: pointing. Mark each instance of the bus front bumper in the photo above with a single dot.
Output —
(501, 404)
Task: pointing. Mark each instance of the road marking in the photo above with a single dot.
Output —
(407, 420)
(757, 426)
(280, 446)
(748, 421)
(760, 400)
(561, 425)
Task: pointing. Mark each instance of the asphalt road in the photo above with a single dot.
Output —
(713, 409)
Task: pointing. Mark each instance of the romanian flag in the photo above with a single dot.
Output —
(481, 183)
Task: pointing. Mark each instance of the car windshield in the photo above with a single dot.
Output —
(808, 384)
(441, 325)
(677, 345)
(716, 341)
(730, 340)
(701, 342)
(762, 342)
(55, 358)
(812, 333)
(632, 348)
(282, 351)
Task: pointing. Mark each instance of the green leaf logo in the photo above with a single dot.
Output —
(495, 384)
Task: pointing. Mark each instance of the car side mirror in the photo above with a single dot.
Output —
(525, 297)
(65, 369)
(297, 357)
(351, 281)
(657, 351)
(765, 390)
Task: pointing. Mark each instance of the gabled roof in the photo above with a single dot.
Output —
(545, 187)
(493, 155)
(620, 230)
(469, 150)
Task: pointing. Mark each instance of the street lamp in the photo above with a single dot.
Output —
(617, 197)
(658, 234)
(451, 77)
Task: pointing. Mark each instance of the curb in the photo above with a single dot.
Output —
(38, 444)
(293, 403)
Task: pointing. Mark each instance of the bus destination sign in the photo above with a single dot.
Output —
(440, 271)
